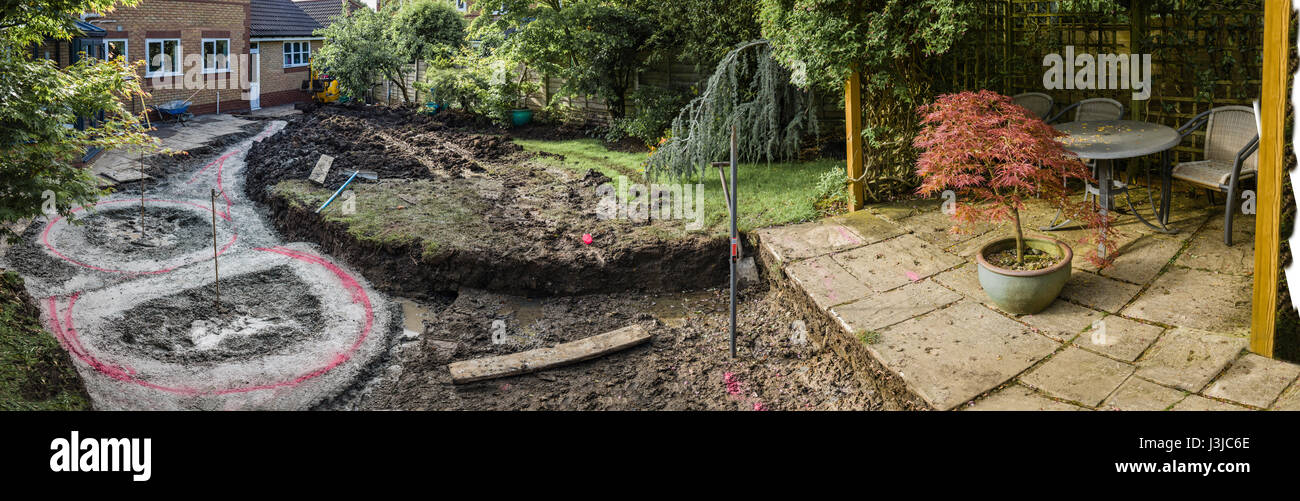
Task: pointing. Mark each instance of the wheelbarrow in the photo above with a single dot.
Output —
(178, 109)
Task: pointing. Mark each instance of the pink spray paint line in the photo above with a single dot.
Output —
(45, 238)
(67, 336)
(913, 276)
(848, 235)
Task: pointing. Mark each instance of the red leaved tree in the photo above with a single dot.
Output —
(996, 154)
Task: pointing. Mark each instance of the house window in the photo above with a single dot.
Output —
(115, 48)
(297, 54)
(164, 57)
(461, 5)
(216, 55)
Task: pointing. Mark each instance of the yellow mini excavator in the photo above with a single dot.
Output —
(323, 88)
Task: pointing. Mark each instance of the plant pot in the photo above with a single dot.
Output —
(521, 118)
(1024, 292)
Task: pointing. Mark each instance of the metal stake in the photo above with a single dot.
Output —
(735, 240)
(216, 270)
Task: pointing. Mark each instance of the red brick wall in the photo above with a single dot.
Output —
(278, 82)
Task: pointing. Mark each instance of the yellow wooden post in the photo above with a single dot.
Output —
(1277, 23)
(853, 138)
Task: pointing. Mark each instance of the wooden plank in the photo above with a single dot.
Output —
(853, 137)
(1277, 21)
(525, 362)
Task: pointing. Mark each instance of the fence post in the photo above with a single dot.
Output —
(1137, 29)
(1263, 316)
(853, 138)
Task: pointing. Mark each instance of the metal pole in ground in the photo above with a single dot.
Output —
(735, 240)
(216, 271)
(141, 159)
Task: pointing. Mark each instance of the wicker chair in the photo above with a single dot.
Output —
(1094, 109)
(1231, 141)
(1036, 102)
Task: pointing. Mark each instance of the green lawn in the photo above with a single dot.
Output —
(770, 194)
(35, 372)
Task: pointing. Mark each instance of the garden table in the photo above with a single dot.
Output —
(1106, 141)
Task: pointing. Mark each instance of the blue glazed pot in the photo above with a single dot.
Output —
(1024, 292)
(521, 118)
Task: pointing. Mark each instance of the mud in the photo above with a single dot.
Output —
(118, 230)
(188, 327)
(685, 366)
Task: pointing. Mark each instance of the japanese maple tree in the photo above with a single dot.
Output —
(995, 154)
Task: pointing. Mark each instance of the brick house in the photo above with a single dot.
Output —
(325, 11)
(203, 50)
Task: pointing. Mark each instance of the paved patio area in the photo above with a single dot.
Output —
(1163, 328)
(119, 166)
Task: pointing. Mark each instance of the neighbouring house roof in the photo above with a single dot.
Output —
(89, 30)
(324, 11)
(280, 18)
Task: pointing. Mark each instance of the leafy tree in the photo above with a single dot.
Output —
(427, 29)
(594, 46)
(699, 32)
(40, 152)
(358, 47)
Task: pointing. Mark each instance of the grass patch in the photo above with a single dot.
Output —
(35, 372)
(770, 194)
(868, 337)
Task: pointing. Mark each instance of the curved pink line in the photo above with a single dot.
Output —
(69, 339)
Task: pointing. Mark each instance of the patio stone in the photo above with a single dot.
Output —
(826, 282)
(1062, 320)
(886, 265)
(878, 311)
(1098, 292)
(1254, 380)
(952, 355)
(1199, 403)
(1188, 359)
(1140, 260)
(965, 280)
(801, 241)
(1119, 337)
(870, 227)
(1290, 399)
(1138, 394)
(1207, 251)
(1078, 376)
(903, 209)
(1020, 398)
(934, 226)
(1197, 299)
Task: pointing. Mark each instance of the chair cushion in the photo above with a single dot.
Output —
(1210, 173)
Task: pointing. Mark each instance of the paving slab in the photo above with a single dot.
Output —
(826, 282)
(964, 280)
(802, 241)
(1062, 320)
(893, 263)
(940, 229)
(952, 355)
(1290, 399)
(1078, 376)
(1119, 337)
(1207, 251)
(1020, 398)
(903, 209)
(878, 311)
(1138, 394)
(1098, 292)
(1140, 260)
(1254, 380)
(1199, 403)
(1188, 359)
(869, 226)
(1198, 299)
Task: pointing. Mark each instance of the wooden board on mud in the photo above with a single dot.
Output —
(525, 362)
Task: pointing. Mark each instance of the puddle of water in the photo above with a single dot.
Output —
(525, 310)
(413, 315)
(673, 309)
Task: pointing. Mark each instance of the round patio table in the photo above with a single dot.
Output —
(1106, 141)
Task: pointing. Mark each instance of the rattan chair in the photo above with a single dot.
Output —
(1231, 141)
(1036, 102)
(1093, 109)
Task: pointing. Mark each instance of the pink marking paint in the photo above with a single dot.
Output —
(848, 235)
(67, 336)
(732, 382)
(913, 276)
(586, 239)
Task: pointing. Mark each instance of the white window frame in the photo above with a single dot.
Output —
(306, 54)
(176, 63)
(203, 52)
(126, 47)
(462, 5)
